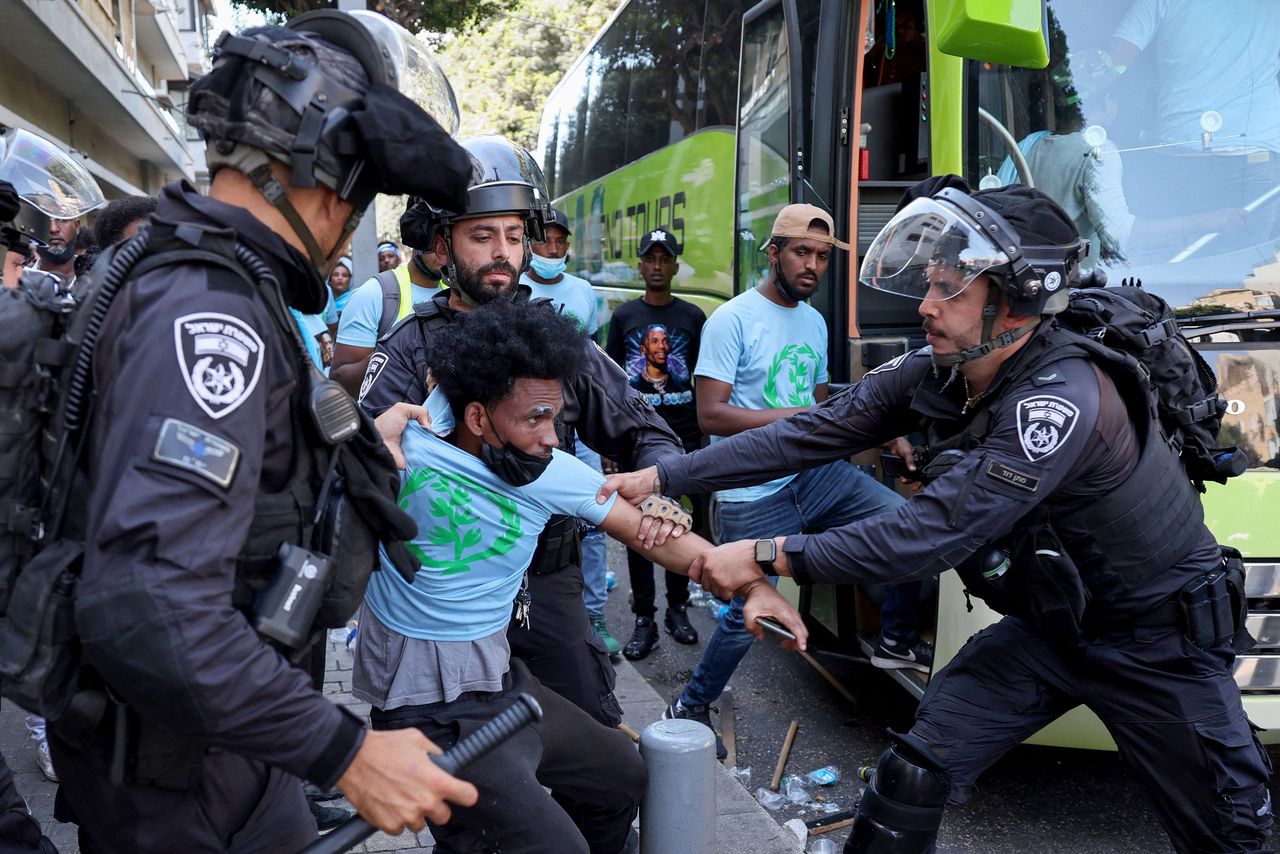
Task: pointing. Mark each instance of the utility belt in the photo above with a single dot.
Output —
(559, 546)
(1034, 578)
(1210, 609)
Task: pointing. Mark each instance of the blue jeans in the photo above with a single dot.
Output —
(595, 590)
(826, 497)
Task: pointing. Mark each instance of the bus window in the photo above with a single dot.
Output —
(666, 43)
(763, 185)
(717, 82)
(608, 97)
(1157, 127)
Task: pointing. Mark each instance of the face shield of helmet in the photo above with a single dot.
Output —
(46, 177)
(412, 69)
(929, 250)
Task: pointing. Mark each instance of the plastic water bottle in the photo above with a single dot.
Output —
(716, 608)
(697, 596)
(610, 580)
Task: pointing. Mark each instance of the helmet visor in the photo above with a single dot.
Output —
(417, 76)
(46, 177)
(928, 250)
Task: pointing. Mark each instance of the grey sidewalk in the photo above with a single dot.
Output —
(742, 826)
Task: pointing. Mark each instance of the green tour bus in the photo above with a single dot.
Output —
(1155, 123)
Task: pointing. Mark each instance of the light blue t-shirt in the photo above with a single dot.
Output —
(314, 334)
(476, 538)
(773, 356)
(574, 296)
(359, 324)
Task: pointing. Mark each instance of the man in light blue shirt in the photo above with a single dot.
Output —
(433, 654)
(546, 275)
(764, 357)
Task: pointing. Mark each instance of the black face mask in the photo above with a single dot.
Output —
(512, 464)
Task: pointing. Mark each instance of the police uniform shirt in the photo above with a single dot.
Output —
(599, 404)
(1063, 432)
(193, 421)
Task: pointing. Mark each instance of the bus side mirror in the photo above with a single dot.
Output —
(1009, 32)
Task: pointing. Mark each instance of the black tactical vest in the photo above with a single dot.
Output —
(1119, 541)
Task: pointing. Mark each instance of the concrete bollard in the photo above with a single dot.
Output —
(678, 812)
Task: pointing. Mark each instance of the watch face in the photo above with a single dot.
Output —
(766, 551)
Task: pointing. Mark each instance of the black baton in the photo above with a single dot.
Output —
(523, 712)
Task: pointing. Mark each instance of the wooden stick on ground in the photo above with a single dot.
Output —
(827, 828)
(726, 729)
(783, 755)
(635, 736)
(826, 674)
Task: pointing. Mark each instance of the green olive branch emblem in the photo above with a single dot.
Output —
(801, 363)
(449, 498)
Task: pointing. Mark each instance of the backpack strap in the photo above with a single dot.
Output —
(397, 300)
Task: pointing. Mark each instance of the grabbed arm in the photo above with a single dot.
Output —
(679, 553)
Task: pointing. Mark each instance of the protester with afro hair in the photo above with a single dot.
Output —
(433, 654)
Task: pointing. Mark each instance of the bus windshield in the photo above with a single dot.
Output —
(1156, 125)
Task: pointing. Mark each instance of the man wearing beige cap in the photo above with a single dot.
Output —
(763, 358)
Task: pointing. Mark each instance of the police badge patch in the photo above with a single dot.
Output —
(1044, 423)
(221, 360)
(376, 363)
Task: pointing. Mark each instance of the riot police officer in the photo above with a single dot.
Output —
(1059, 504)
(215, 464)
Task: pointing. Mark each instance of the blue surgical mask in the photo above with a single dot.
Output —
(547, 268)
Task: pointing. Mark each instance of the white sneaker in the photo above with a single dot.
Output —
(45, 761)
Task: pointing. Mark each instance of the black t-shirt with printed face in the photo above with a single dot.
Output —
(657, 345)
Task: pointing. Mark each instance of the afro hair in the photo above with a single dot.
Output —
(480, 355)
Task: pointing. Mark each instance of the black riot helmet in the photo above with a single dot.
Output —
(505, 180)
(943, 238)
(348, 100)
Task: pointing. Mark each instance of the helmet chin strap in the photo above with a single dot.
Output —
(988, 344)
(274, 192)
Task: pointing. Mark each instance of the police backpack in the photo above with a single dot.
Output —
(1136, 322)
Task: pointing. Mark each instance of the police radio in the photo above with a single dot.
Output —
(286, 609)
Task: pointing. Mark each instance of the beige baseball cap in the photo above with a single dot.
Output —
(793, 221)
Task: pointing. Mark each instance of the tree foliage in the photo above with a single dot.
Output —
(434, 16)
(503, 69)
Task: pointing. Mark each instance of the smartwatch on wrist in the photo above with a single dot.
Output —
(766, 554)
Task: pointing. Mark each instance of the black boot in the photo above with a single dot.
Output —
(643, 639)
(678, 625)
